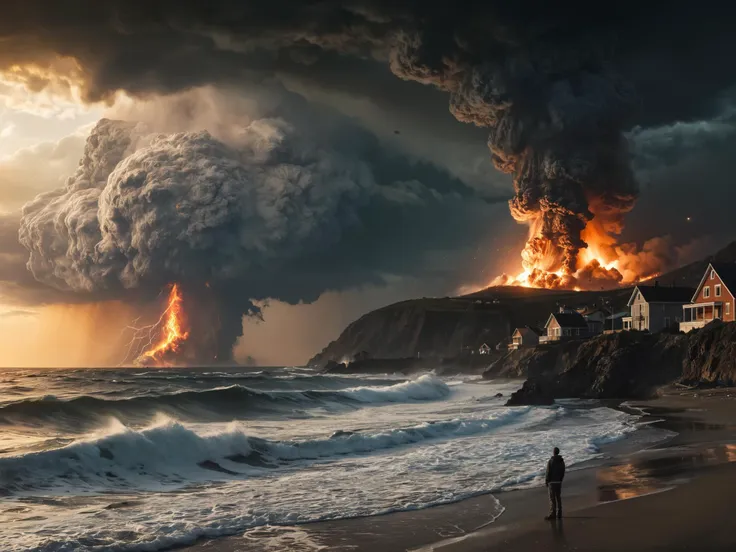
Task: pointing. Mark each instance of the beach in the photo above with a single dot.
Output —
(675, 495)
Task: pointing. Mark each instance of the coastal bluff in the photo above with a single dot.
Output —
(442, 330)
(625, 365)
(434, 330)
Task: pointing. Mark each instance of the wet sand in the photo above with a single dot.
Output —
(684, 491)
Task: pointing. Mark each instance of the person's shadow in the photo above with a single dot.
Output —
(558, 532)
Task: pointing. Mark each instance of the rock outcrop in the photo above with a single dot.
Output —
(628, 365)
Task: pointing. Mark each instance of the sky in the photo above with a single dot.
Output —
(297, 164)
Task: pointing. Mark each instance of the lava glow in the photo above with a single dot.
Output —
(154, 343)
(604, 263)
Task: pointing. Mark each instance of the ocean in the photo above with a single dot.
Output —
(133, 459)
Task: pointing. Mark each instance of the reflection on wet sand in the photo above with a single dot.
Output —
(649, 475)
(558, 532)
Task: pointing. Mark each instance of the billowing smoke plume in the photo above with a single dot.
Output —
(556, 86)
(556, 117)
(270, 211)
(145, 210)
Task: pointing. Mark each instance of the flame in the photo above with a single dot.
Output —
(173, 333)
(604, 263)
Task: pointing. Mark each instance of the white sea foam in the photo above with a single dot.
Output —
(174, 482)
(424, 388)
(170, 454)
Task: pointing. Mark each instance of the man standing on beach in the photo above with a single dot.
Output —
(553, 479)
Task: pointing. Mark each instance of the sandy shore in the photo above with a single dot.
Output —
(683, 499)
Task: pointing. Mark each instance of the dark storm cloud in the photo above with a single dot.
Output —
(556, 85)
(686, 170)
(295, 202)
(674, 55)
(17, 284)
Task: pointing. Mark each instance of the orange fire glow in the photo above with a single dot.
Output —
(604, 263)
(173, 333)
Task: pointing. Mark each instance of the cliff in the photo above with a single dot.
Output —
(437, 328)
(452, 326)
(628, 365)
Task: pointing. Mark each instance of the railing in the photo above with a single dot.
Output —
(693, 324)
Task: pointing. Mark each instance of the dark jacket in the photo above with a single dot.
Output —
(555, 470)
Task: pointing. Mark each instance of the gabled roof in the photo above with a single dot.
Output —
(663, 294)
(726, 272)
(528, 330)
(568, 320)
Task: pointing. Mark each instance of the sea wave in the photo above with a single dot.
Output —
(234, 401)
(171, 454)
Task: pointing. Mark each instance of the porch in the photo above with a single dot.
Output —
(697, 315)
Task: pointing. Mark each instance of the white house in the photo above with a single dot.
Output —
(525, 337)
(566, 324)
(654, 308)
(484, 349)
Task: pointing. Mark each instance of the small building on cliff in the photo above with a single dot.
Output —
(713, 299)
(615, 322)
(527, 336)
(655, 308)
(594, 317)
(565, 324)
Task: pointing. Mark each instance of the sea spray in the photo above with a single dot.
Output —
(328, 448)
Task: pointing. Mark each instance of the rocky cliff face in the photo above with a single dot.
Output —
(422, 328)
(628, 365)
(444, 327)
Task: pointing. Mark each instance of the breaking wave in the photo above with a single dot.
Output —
(233, 401)
(170, 454)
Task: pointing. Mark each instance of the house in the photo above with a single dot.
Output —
(484, 349)
(615, 322)
(595, 318)
(713, 298)
(654, 308)
(525, 337)
(565, 325)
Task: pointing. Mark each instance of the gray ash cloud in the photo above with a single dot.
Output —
(277, 210)
(557, 86)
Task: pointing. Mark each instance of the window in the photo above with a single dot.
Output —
(717, 287)
(728, 308)
(706, 292)
(712, 274)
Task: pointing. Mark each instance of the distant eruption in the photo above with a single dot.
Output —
(556, 115)
(267, 211)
